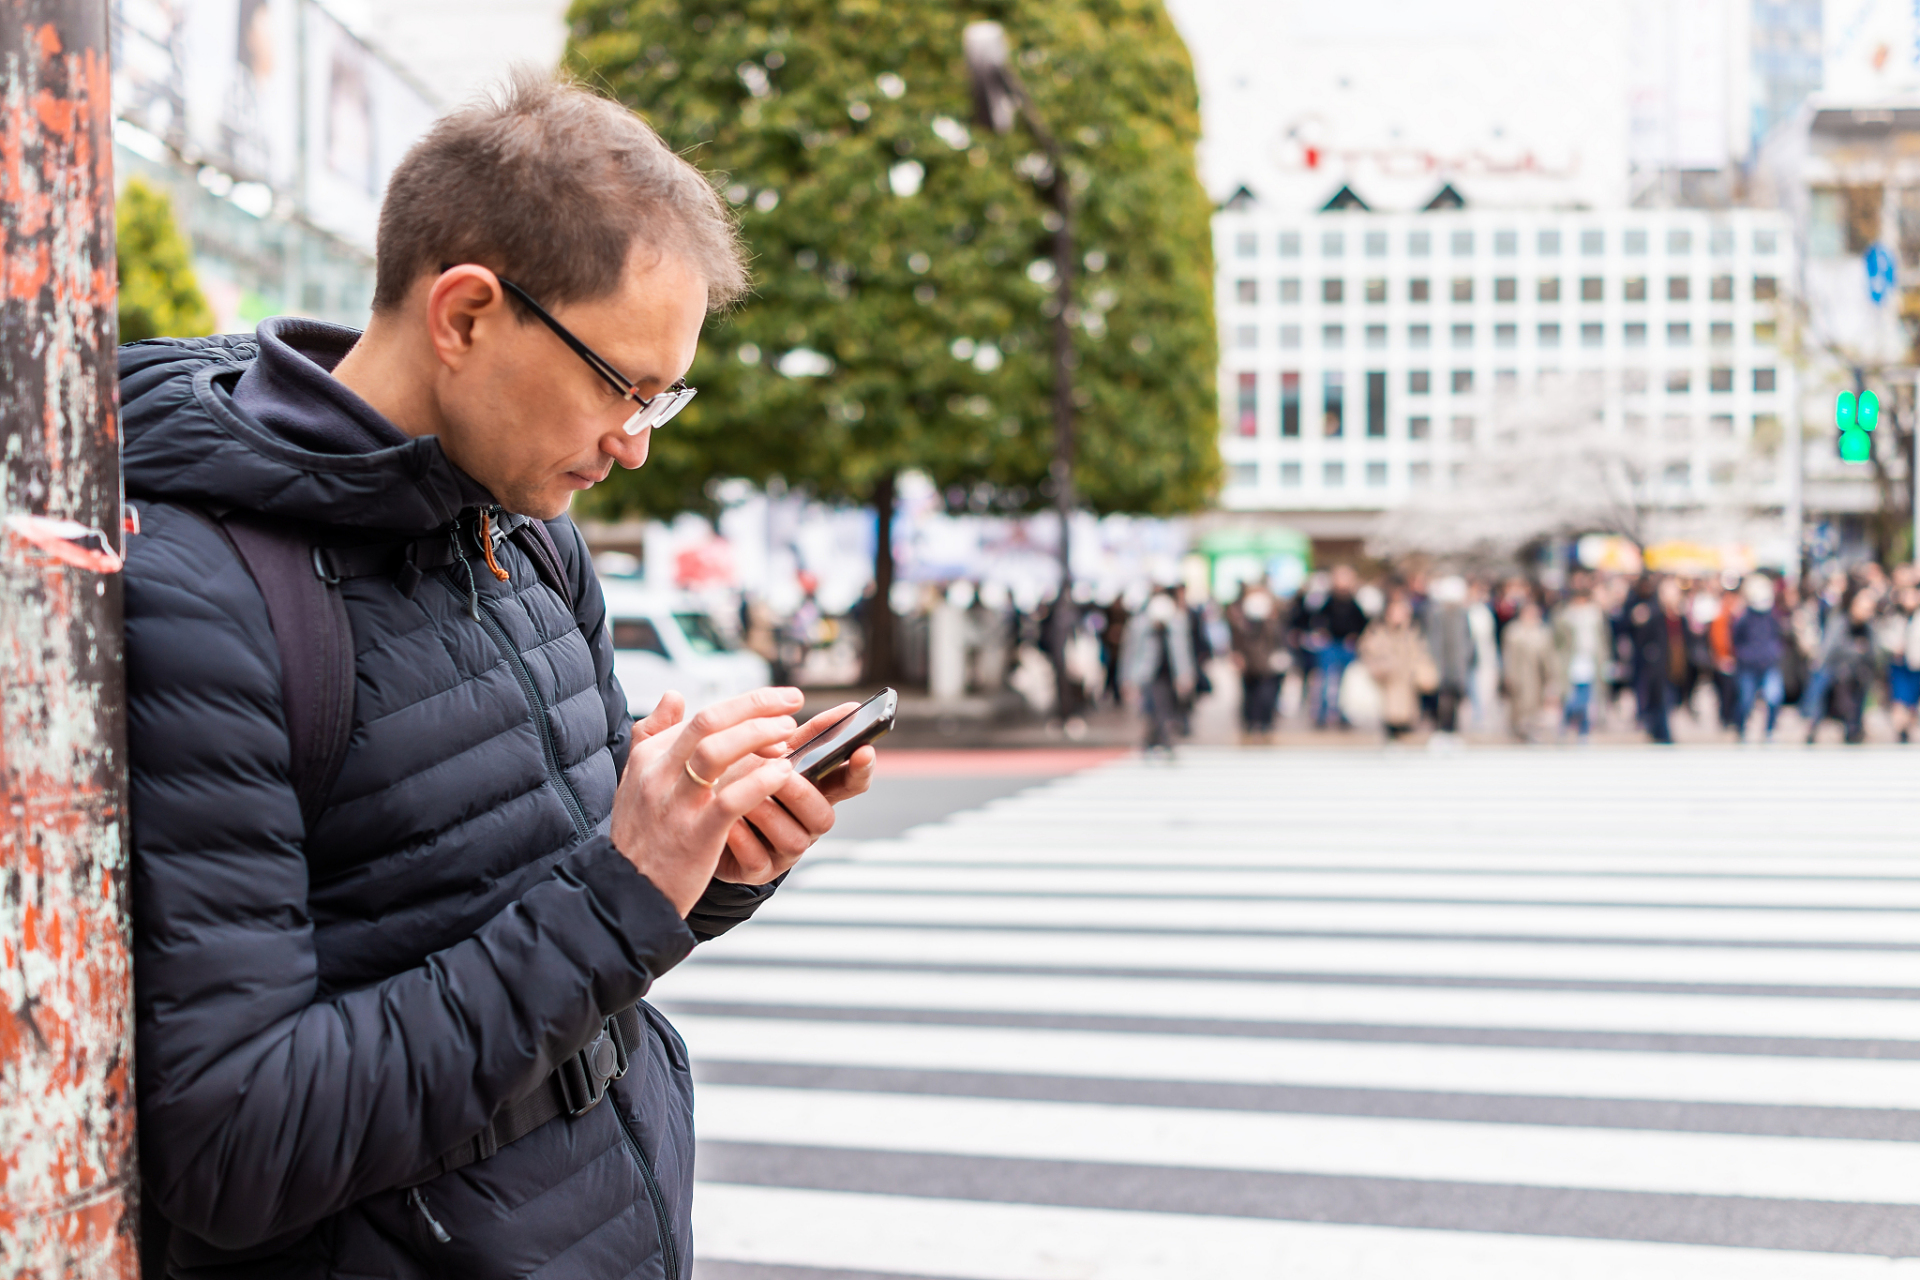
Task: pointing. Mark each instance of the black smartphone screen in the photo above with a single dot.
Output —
(819, 756)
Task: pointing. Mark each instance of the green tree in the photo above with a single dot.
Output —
(158, 294)
(907, 251)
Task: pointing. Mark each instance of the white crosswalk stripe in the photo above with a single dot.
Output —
(1353, 1014)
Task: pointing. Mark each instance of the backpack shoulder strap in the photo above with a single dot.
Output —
(315, 639)
(536, 540)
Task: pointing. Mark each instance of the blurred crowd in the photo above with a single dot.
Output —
(1433, 654)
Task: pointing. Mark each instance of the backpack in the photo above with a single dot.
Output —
(299, 570)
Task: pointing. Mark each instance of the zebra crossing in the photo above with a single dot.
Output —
(1349, 1014)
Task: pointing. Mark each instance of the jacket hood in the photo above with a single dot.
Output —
(185, 440)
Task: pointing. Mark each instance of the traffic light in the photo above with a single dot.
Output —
(1856, 417)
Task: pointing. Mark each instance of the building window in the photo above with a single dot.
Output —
(1679, 382)
(1289, 337)
(1249, 404)
(1376, 244)
(1376, 337)
(1377, 404)
(1679, 334)
(1765, 288)
(1290, 405)
(1289, 244)
(1677, 475)
(1419, 290)
(1593, 243)
(1506, 381)
(1634, 288)
(1506, 243)
(1679, 240)
(1764, 332)
(1462, 430)
(1549, 335)
(1246, 337)
(1246, 291)
(1634, 242)
(1679, 288)
(1419, 428)
(1633, 381)
(1419, 336)
(1547, 244)
(1766, 430)
(1246, 245)
(1720, 241)
(1763, 380)
(1376, 475)
(1462, 244)
(1420, 475)
(1592, 335)
(1463, 288)
(1720, 475)
(1549, 289)
(1635, 424)
(1765, 242)
(1462, 335)
(1243, 475)
(1333, 336)
(1377, 289)
(1419, 244)
(1506, 289)
(1506, 335)
(1290, 290)
(1592, 289)
(1332, 244)
(1419, 382)
(1720, 333)
(1721, 424)
(1333, 290)
(1462, 381)
(1636, 335)
(1592, 382)
(1333, 397)
(1720, 380)
(1289, 475)
(1333, 475)
(1720, 289)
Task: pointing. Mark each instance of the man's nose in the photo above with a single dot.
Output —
(629, 451)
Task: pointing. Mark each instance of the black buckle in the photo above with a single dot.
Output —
(584, 1077)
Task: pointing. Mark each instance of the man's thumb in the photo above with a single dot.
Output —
(668, 712)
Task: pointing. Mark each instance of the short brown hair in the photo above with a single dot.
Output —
(550, 185)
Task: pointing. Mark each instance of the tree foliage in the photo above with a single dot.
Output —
(909, 248)
(159, 297)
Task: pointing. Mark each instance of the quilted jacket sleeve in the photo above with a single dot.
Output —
(723, 905)
(264, 1107)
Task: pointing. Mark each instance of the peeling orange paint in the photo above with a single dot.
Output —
(67, 1172)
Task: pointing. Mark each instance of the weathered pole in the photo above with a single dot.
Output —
(67, 1183)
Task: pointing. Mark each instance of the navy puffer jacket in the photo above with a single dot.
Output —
(324, 1012)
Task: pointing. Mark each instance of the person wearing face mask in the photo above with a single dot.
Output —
(1158, 668)
(1260, 656)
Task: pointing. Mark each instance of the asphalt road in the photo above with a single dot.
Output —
(1367, 1014)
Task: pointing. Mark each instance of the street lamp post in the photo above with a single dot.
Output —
(999, 98)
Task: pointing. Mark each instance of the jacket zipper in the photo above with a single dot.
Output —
(419, 1202)
(483, 614)
(653, 1193)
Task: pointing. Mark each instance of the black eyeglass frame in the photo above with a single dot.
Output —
(676, 395)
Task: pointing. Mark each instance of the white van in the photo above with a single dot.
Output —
(664, 641)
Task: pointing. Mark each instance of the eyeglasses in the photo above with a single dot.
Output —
(649, 411)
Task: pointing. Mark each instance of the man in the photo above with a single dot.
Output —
(1649, 614)
(400, 1034)
(1336, 626)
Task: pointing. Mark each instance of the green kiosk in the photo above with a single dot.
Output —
(1280, 555)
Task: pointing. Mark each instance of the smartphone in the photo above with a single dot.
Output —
(826, 751)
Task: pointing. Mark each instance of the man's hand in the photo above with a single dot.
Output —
(794, 817)
(671, 825)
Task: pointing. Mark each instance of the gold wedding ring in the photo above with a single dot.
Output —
(697, 778)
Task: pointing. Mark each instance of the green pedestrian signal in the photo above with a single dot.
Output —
(1856, 416)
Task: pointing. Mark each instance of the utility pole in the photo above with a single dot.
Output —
(999, 97)
(68, 1197)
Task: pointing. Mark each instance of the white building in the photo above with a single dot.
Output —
(1364, 354)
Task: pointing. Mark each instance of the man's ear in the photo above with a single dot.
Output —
(459, 300)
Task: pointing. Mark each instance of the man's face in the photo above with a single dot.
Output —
(530, 420)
